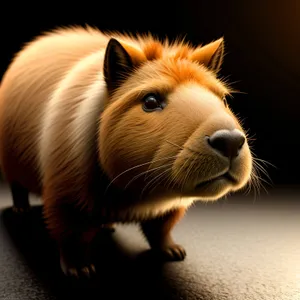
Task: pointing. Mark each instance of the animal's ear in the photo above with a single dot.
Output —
(117, 64)
(210, 55)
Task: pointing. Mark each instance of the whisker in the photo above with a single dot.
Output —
(255, 184)
(157, 179)
(180, 170)
(264, 162)
(250, 136)
(257, 181)
(186, 177)
(170, 157)
(259, 168)
(237, 92)
(135, 167)
(260, 185)
(146, 172)
(262, 169)
(180, 147)
(247, 188)
(262, 180)
(154, 161)
(199, 154)
(153, 180)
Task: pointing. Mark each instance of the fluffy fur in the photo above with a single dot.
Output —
(73, 130)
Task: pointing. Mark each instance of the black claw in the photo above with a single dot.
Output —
(86, 272)
(93, 269)
(73, 273)
(20, 210)
(174, 253)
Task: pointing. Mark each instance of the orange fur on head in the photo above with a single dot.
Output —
(153, 50)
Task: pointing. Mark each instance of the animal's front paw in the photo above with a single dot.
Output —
(76, 261)
(173, 252)
(75, 271)
(86, 271)
(20, 210)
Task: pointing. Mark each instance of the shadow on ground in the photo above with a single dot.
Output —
(238, 248)
(121, 274)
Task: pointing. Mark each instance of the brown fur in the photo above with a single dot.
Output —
(65, 130)
(158, 231)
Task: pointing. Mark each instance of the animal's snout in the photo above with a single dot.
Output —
(227, 142)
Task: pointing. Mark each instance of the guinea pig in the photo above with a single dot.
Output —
(115, 128)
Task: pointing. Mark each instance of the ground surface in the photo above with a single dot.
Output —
(237, 249)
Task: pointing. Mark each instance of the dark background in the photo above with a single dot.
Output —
(262, 55)
(237, 249)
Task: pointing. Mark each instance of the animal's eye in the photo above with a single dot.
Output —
(152, 102)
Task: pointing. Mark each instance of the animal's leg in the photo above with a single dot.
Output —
(75, 253)
(73, 237)
(158, 234)
(20, 197)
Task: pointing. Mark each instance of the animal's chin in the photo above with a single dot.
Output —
(213, 188)
(226, 178)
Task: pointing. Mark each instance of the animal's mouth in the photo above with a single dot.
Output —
(226, 176)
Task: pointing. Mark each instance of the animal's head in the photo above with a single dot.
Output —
(167, 126)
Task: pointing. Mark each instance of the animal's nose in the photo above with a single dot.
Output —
(228, 143)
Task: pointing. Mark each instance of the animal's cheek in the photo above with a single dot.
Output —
(129, 146)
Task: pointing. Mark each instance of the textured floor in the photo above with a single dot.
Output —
(237, 250)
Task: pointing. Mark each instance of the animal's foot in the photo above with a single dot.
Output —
(21, 210)
(76, 259)
(77, 271)
(172, 252)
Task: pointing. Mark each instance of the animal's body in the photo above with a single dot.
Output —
(113, 128)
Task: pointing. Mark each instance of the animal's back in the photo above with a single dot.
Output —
(25, 90)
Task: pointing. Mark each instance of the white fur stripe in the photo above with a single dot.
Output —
(84, 129)
(49, 116)
(80, 128)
